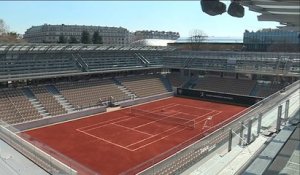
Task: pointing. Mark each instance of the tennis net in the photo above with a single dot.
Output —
(163, 118)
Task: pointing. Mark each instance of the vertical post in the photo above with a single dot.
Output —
(230, 140)
(241, 134)
(249, 131)
(286, 111)
(279, 118)
(259, 123)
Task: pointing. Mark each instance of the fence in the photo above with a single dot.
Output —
(44, 156)
(188, 153)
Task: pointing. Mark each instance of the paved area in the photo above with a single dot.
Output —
(14, 163)
(287, 161)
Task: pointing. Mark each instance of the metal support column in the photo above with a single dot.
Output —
(259, 123)
(249, 131)
(286, 111)
(241, 134)
(229, 140)
(278, 118)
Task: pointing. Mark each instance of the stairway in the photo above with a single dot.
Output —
(124, 89)
(80, 63)
(255, 90)
(60, 98)
(166, 83)
(35, 102)
(191, 83)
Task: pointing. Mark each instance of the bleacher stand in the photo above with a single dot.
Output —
(144, 85)
(84, 94)
(175, 79)
(15, 107)
(48, 101)
(226, 85)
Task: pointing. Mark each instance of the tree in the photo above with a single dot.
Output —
(85, 37)
(73, 40)
(197, 36)
(62, 39)
(97, 39)
(3, 27)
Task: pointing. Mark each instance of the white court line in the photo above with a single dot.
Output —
(151, 121)
(97, 114)
(99, 123)
(99, 138)
(170, 134)
(163, 107)
(197, 107)
(150, 136)
(178, 112)
(125, 116)
(132, 129)
(96, 127)
(178, 126)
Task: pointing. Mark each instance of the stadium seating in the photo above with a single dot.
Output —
(265, 90)
(84, 94)
(48, 101)
(144, 85)
(175, 61)
(25, 65)
(15, 107)
(175, 79)
(108, 61)
(226, 85)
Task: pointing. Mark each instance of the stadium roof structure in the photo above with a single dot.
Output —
(152, 42)
(286, 12)
(27, 48)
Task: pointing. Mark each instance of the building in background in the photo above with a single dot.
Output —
(150, 34)
(50, 33)
(272, 40)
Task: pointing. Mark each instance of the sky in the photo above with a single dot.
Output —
(177, 16)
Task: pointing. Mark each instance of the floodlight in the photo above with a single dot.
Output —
(235, 9)
(213, 7)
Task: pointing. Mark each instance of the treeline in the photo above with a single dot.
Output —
(7, 36)
(85, 38)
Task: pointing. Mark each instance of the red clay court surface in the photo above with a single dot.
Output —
(113, 142)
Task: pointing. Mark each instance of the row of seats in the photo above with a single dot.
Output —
(83, 94)
(175, 79)
(267, 90)
(226, 85)
(15, 107)
(108, 61)
(143, 86)
(23, 64)
(48, 101)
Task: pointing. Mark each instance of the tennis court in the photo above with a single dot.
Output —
(113, 142)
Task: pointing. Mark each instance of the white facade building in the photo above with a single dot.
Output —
(50, 33)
